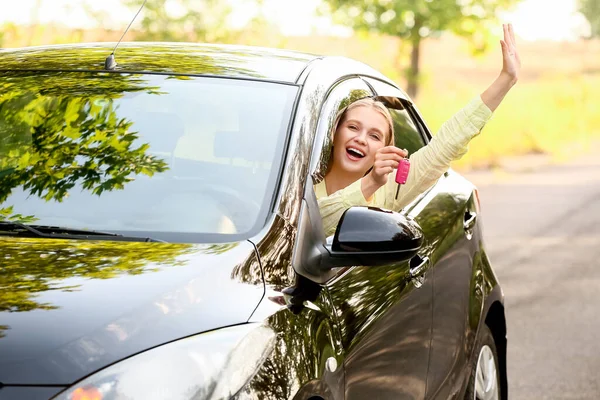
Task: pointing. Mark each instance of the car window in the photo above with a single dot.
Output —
(407, 133)
(339, 97)
(141, 153)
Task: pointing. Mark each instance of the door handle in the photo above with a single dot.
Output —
(417, 267)
(470, 219)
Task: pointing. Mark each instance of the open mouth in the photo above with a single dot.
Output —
(354, 153)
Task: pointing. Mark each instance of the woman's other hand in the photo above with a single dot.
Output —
(511, 67)
(511, 63)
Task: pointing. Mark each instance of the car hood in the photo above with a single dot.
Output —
(69, 308)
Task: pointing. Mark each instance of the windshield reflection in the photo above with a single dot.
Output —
(52, 138)
(132, 153)
(31, 267)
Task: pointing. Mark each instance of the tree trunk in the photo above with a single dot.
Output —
(413, 72)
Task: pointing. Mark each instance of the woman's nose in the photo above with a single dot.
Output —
(361, 138)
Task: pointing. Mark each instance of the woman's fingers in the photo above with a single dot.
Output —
(389, 156)
(387, 160)
(393, 150)
(507, 37)
(512, 35)
(386, 170)
(514, 44)
(387, 163)
(505, 51)
(512, 60)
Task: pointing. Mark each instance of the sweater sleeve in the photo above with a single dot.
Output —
(333, 206)
(430, 162)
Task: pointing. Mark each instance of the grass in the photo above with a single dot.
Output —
(556, 115)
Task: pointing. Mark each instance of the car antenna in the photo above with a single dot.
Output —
(110, 63)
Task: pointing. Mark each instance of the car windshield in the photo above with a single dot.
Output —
(176, 158)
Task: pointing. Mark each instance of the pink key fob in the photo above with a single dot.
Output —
(402, 172)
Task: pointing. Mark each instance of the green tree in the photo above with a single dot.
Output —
(591, 11)
(414, 20)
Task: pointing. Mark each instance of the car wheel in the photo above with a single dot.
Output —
(484, 383)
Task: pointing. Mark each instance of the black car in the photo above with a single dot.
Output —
(160, 237)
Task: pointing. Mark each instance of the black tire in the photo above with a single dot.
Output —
(484, 339)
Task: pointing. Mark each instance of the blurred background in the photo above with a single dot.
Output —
(442, 52)
(534, 164)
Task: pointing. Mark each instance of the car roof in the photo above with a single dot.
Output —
(160, 57)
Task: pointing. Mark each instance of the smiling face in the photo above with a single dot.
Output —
(360, 133)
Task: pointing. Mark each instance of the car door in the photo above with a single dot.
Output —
(384, 313)
(447, 215)
(457, 301)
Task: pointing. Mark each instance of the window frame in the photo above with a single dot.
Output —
(310, 238)
(332, 104)
(382, 88)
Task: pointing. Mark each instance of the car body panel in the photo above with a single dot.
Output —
(72, 307)
(308, 357)
(385, 322)
(452, 256)
(171, 58)
(29, 392)
(301, 313)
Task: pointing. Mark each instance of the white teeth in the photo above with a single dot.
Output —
(356, 151)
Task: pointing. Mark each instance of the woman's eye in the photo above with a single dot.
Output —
(353, 127)
(376, 137)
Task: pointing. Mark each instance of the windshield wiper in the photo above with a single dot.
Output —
(58, 232)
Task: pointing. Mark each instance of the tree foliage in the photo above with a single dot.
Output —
(591, 11)
(415, 20)
(31, 266)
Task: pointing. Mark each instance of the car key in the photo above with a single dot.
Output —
(402, 173)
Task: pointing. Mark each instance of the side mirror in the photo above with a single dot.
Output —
(372, 236)
(365, 236)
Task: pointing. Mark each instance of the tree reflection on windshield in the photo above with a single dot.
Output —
(177, 159)
(62, 129)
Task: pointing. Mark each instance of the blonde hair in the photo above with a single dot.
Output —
(366, 102)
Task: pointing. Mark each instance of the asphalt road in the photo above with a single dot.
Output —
(542, 230)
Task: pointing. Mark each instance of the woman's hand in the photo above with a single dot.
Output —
(511, 63)
(386, 161)
(511, 67)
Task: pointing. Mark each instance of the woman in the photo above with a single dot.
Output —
(362, 170)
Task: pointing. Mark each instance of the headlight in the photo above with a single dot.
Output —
(209, 366)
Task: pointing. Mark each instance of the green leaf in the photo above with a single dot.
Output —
(72, 111)
(71, 132)
(24, 161)
(6, 211)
